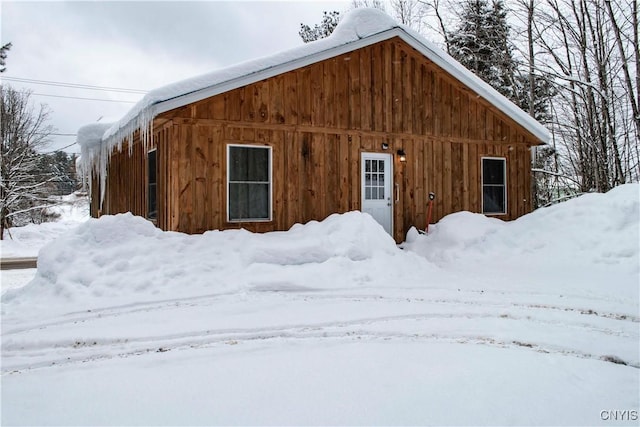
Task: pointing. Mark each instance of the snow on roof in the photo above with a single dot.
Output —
(90, 136)
(360, 27)
(93, 152)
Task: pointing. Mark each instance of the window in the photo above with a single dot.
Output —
(373, 179)
(249, 183)
(494, 189)
(152, 185)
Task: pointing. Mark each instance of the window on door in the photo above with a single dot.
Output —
(249, 183)
(373, 179)
(152, 185)
(494, 189)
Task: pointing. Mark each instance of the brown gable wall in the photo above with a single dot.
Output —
(388, 87)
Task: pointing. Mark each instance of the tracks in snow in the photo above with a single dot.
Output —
(544, 328)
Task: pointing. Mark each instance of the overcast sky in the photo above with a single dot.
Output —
(137, 45)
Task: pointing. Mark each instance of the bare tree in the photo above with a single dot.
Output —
(587, 49)
(410, 13)
(376, 4)
(627, 58)
(24, 131)
(435, 5)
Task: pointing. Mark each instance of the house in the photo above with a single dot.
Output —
(372, 118)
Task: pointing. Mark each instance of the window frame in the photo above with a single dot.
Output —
(152, 215)
(229, 182)
(483, 185)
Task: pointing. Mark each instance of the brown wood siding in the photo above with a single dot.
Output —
(318, 120)
(124, 184)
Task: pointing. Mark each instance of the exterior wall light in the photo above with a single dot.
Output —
(402, 155)
(385, 146)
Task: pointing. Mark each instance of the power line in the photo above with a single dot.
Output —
(55, 134)
(74, 85)
(86, 99)
(60, 149)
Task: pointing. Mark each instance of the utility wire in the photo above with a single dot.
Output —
(59, 149)
(55, 134)
(74, 85)
(86, 99)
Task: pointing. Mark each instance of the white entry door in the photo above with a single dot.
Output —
(377, 198)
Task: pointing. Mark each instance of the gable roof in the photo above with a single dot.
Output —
(359, 28)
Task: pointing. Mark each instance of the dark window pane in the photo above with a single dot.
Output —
(152, 200)
(248, 201)
(153, 203)
(248, 164)
(493, 199)
(493, 171)
(152, 166)
(238, 201)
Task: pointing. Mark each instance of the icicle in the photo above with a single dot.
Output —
(98, 141)
(94, 152)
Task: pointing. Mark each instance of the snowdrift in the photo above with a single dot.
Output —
(591, 229)
(128, 259)
(588, 246)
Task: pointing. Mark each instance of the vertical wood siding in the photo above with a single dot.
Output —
(318, 120)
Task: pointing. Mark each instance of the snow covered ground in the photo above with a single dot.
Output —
(11, 279)
(481, 322)
(26, 241)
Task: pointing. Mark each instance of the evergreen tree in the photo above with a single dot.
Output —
(62, 166)
(543, 91)
(505, 67)
(3, 56)
(329, 23)
(481, 44)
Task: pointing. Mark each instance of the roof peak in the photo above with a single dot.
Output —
(363, 22)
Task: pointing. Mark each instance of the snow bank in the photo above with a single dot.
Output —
(591, 230)
(353, 235)
(589, 245)
(127, 258)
